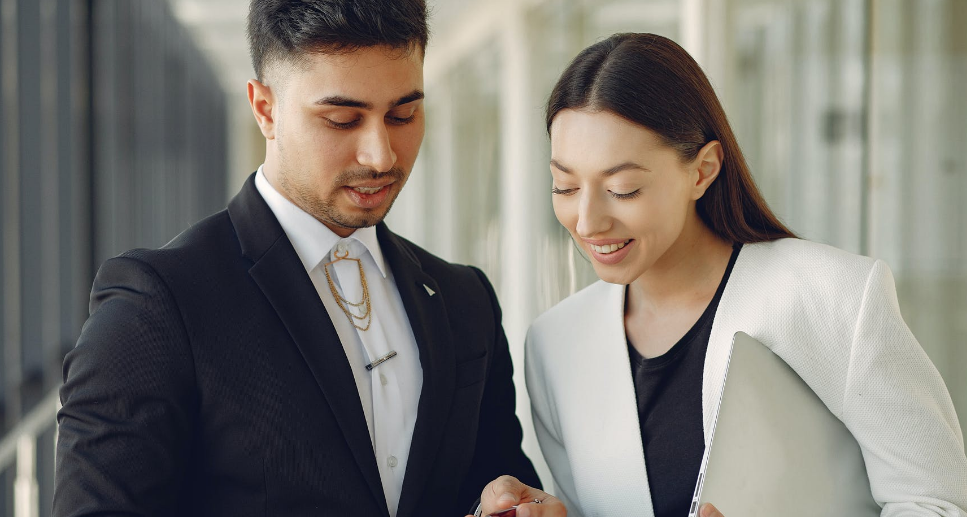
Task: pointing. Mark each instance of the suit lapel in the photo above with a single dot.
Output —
(428, 318)
(281, 276)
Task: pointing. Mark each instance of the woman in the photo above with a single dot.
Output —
(651, 184)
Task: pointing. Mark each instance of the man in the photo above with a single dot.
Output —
(291, 355)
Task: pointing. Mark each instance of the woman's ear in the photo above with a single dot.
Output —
(706, 166)
(263, 103)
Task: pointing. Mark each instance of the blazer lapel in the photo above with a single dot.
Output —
(281, 276)
(604, 414)
(428, 317)
(735, 312)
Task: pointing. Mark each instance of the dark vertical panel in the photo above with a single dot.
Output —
(66, 187)
(47, 350)
(105, 98)
(6, 495)
(114, 70)
(195, 138)
(45, 472)
(124, 226)
(3, 187)
(176, 96)
(73, 172)
(31, 185)
(140, 41)
(150, 124)
(9, 207)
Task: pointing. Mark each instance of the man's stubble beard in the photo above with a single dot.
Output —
(327, 212)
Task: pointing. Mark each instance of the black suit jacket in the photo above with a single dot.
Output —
(209, 380)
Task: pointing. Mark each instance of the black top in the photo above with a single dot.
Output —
(669, 393)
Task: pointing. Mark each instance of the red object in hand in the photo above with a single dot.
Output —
(509, 512)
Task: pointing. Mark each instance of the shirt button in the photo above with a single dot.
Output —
(342, 247)
(391, 461)
(383, 380)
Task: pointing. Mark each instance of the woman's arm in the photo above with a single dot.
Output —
(898, 408)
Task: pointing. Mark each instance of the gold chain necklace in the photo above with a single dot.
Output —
(345, 304)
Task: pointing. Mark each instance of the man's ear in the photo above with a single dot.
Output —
(706, 167)
(263, 102)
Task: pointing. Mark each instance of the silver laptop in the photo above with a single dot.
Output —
(776, 449)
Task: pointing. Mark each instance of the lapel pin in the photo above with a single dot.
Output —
(429, 291)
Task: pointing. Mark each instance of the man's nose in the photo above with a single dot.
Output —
(375, 149)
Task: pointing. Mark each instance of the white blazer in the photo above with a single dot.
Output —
(831, 315)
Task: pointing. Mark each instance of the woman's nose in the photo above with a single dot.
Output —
(593, 218)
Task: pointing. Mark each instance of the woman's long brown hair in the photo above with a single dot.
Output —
(650, 80)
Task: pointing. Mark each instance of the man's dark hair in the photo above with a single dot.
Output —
(290, 29)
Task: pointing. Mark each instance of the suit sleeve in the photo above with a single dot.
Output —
(898, 408)
(498, 448)
(128, 401)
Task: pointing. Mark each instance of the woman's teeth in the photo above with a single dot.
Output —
(364, 190)
(608, 248)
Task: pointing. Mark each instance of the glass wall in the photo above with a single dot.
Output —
(918, 172)
(44, 194)
(794, 89)
(112, 136)
(854, 120)
(851, 112)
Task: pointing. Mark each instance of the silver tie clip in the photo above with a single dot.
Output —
(381, 360)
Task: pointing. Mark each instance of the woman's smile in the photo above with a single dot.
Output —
(609, 252)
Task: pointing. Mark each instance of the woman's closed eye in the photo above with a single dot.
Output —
(617, 195)
(563, 191)
(630, 195)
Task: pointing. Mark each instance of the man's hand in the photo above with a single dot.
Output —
(707, 510)
(507, 491)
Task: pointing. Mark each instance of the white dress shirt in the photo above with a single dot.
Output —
(390, 393)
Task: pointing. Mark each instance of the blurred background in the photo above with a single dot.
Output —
(124, 121)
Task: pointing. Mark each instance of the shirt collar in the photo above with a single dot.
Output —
(311, 239)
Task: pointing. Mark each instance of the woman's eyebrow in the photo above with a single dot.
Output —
(622, 167)
(607, 172)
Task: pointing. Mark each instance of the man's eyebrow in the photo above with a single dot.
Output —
(338, 100)
(607, 172)
(415, 95)
(346, 102)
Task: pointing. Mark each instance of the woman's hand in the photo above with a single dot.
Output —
(707, 510)
(507, 491)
